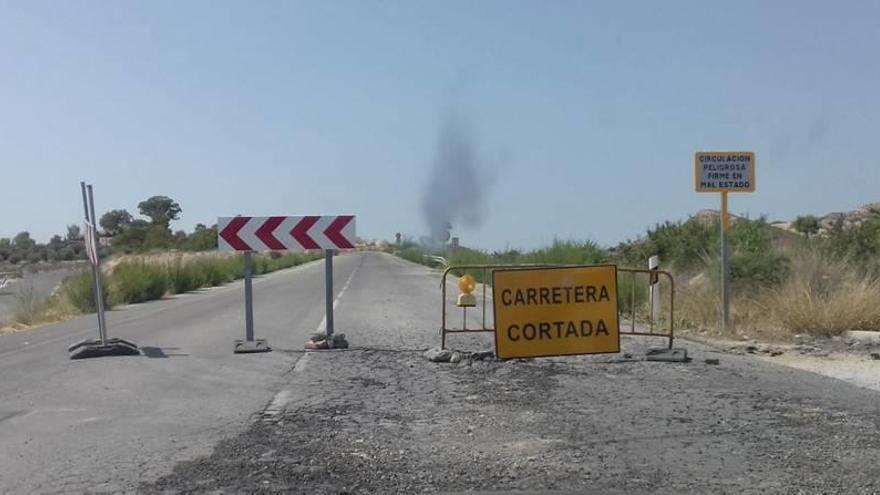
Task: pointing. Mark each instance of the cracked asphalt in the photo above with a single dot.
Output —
(380, 418)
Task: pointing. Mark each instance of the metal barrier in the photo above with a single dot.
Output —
(440, 260)
(652, 275)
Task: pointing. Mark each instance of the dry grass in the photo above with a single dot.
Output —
(826, 297)
(32, 310)
(698, 304)
(821, 296)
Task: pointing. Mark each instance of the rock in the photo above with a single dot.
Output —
(319, 341)
(775, 353)
(712, 361)
(339, 341)
(479, 356)
(802, 338)
(317, 344)
(438, 355)
(864, 337)
(627, 355)
(875, 355)
(455, 357)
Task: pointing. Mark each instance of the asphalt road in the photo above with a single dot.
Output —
(380, 418)
(110, 423)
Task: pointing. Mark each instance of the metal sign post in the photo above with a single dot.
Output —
(249, 344)
(328, 291)
(103, 346)
(725, 265)
(724, 172)
(92, 232)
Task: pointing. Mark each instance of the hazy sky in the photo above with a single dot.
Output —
(583, 116)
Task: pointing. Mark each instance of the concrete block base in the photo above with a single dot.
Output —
(667, 355)
(95, 348)
(249, 346)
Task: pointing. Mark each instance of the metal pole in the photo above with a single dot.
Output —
(443, 306)
(484, 298)
(328, 290)
(654, 291)
(248, 298)
(725, 267)
(89, 209)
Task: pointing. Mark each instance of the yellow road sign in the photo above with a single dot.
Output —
(542, 312)
(724, 171)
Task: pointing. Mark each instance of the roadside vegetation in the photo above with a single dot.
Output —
(142, 260)
(813, 278)
(120, 233)
(138, 279)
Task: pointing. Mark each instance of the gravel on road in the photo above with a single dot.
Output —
(387, 421)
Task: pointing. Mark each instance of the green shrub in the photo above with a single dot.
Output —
(137, 281)
(279, 261)
(632, 292)
(79, 291)
(215, 271)
(566, 253)
(754, 262)
(412, 253)
(680, 245)
(184, 277)
(464, 256)
(859, 242)
(260, 265)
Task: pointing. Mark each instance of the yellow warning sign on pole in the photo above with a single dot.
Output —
(724, 171)
(542, 312)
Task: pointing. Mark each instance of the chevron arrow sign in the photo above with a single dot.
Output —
(286, 233)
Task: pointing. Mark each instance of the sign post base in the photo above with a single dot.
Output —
(96, 348)
(678, 355)
(249, 346)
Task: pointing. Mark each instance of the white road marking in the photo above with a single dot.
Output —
(323, 325)
(301, 364)
(282, 398)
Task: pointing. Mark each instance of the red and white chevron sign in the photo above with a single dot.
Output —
(286, 233)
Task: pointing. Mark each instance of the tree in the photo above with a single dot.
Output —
(5, 248)
(202, 239)
(132, 239)
(55, 243)
(179, 238)
(160, 209)
(23, 242)
(807, 225)
(115, 221)
(73, 233)
(157, 237)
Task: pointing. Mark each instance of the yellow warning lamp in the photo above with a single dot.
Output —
(467, 284)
